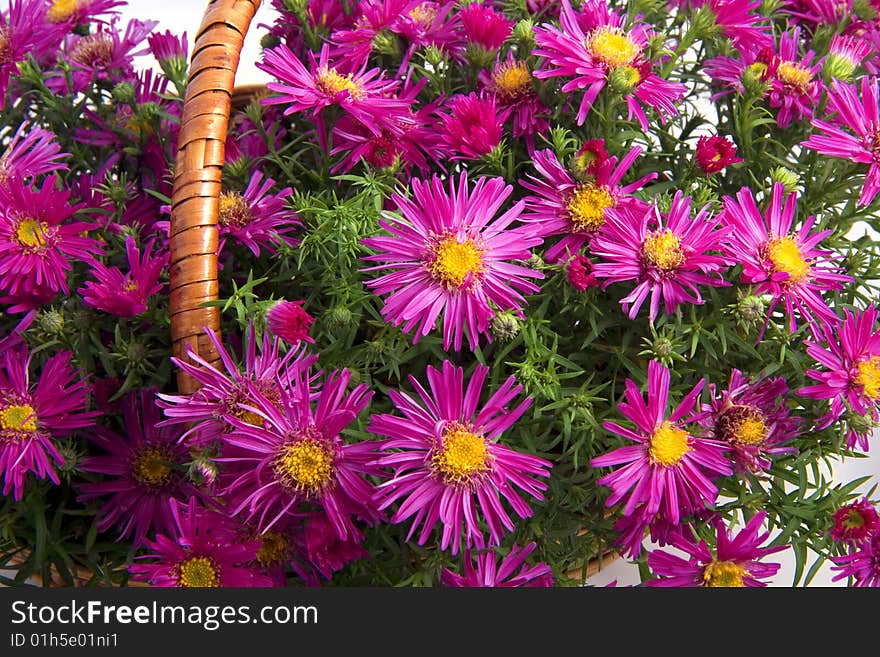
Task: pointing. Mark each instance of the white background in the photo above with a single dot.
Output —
(186, 16)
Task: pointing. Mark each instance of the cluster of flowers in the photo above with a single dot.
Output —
(256, 475)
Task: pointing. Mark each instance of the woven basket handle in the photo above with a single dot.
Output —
(195, 198)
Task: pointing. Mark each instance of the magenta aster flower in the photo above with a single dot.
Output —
(861, 563)
(323, 551)
(860, 115)
(255, 217)
(290, 322)
(143, 469)
(221, 390)
(818, 12)
(795, 86)
(749, 32)
(364, 94)
(596, 46)
(449, 466)
(169, 48)
(668, 469)
(473, 128)
(371, 18)
(488, 572)
(855, 522)
(31, 152)
(735, 561)
(70, 13)
(562, 205)
(845, 54)
(484, 26)
(579, 272)
(296, 456)
(668, 256)
(32, 414)
(125, 294)
(512, 86)
(37, 242)
(451, 256)
(23, 30)
(204, 550)
(779, 260)
(850, 357)
(715, 153)
(754, 418)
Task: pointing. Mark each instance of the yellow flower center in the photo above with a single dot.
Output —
(305, 466)
(61, 10)
(512, 79)
(869, 377)
(742, 424)
(331, 83)
(198, 572)
(18, 418)
(424, 14)
(235, 211)
(31, 233)
(5, 46)
(152, 466)
(724, 574)
(456, 262)
(612, 46)
(587, 205)
(794, 75)
(786, 257)
(274, 548)
(751, 431)
(668, 444)
(462, 457)
(663, 250)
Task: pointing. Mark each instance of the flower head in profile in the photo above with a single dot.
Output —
(850, 375)
(31, 152)
(667, 256)
(855, 522)
(143, 469)
(33, 413)
(579, 271)
(846, 53)
(667, 470)
(484, 26)
(853, 134)
(595, 47)
(321, 551)
(452, 257)
(740, 21)
(449, 466)
(204, 549)
(715, 154)
(38, 243)
(295, 457)
(781, 260)
(861, 563)
(754, 418)
(511, 572)
(257, 217)
(125, 294)
(577, 209)
(473, 127)
(735, 561)
(289, 321)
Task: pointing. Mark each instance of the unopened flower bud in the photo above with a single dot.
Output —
(750, 310)
(123, 93)
(623, 78)
(52, 322)
(505, 326)
(524, 34)
(785, 176)
(339, 317)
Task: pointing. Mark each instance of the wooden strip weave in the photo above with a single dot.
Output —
(195, 200)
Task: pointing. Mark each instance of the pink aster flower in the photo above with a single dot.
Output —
(168, 47)
(427, 24)
(70, 13)
(255, 217)
(512, 86)
(595, 46)
(31, 152)
(290, 322)
(473, 128)
(579, 272)
(363, 94)
(295, 456)
(23, 30)
(667, 255)
(323, 551)
(850, 378)
(845, 54)
(747, 31)
(449, 465)
(818, 12)
(862, 143)
(484, 26)
(780, 260)
(861, 563)
(754, 418)
(204, 550)
(143, 470)
(32, 414)
(125, 294)
(795, 85)
(222, 389)
(37, 242)
(451, 256)
(578, 209)
(715, 153)
(734, 562)
(668, 470)
(855, 522)
(371, 18)
(489, 573)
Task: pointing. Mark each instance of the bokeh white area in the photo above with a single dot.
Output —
(186, 16)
